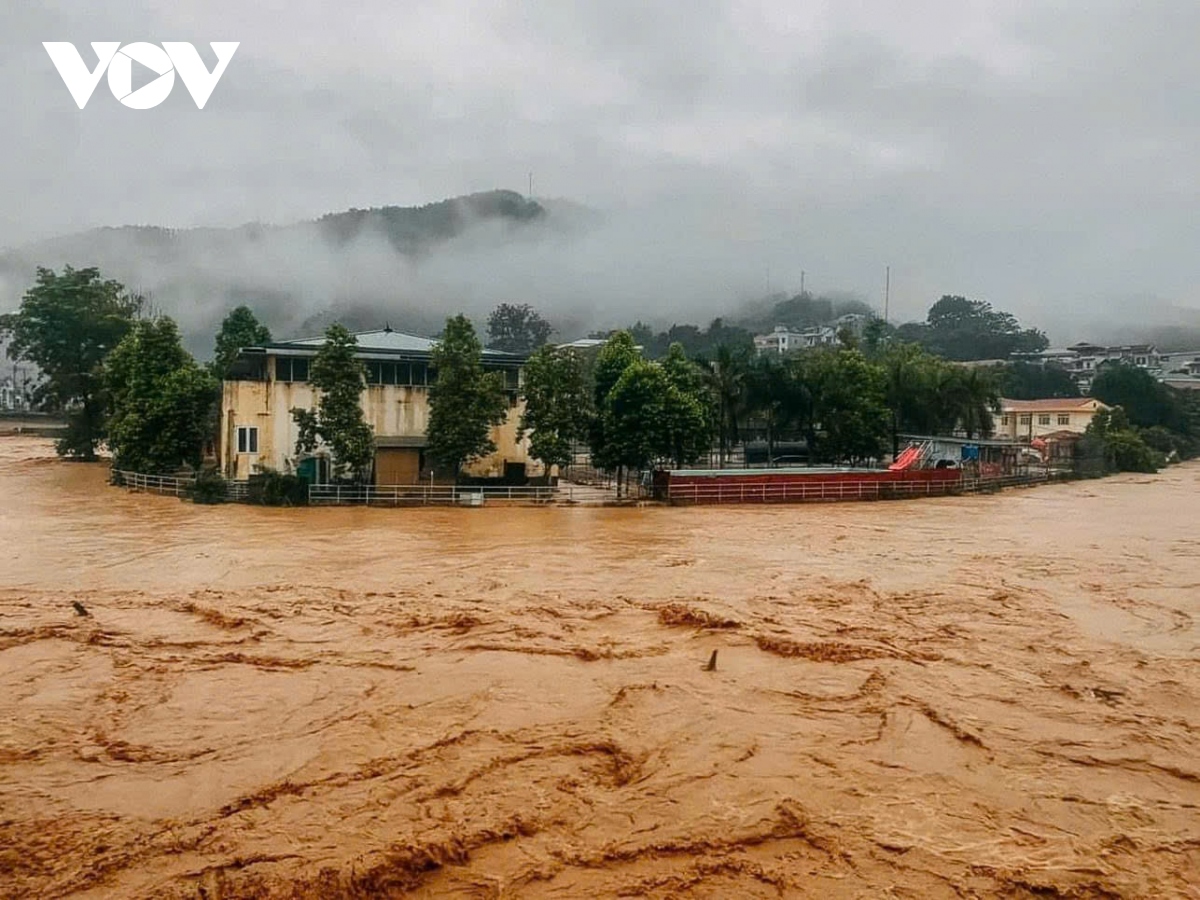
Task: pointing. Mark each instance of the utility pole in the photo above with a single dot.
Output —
(530, 185)
(801, 282)
(887, 293)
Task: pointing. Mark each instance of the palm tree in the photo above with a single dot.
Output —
(978, 401)
(725, 376)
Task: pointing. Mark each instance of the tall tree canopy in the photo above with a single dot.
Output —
(557, 405)
(1030, 381)
(339, 378)
(688, 409)
(849, 411)
(239, 329)
(160, 401)
(1146, 400)
(517, 328)
(618, 354)
(725, 374)
(465, 402)
(66, 325)
(962, 329)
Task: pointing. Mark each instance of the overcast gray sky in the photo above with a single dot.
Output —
(1041, 155)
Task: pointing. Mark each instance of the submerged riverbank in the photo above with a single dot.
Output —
(984, 694)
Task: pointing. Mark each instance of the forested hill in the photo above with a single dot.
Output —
(360, 265)
(409, 229)
(412, 228)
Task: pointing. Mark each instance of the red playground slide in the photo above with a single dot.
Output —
(906, 459)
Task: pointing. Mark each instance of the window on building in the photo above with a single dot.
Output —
(404, 373)
(291, 369)
(1025, 420)
(1044, 420)
(374, 372)
(1006, 420)
(1064, 418)
(247, 439)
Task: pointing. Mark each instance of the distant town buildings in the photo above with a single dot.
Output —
(10, 399)
(1084, 360)
(785, 340)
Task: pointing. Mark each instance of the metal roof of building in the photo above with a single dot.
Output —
(1058, 404)
(384, 340)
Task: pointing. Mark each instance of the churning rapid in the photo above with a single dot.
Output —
(971, 696)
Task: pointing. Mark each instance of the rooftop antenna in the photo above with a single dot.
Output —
(530, 185)
(801, 282)
(387, 327)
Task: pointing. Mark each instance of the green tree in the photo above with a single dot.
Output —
(339, 377)
(465, 402)
(910, 382)
(239, 329)
(689, 425)
(618, 354)
(557, 405)
(1146, 400)
(772, 385)
(160, 400)
(517, 329)
(962, 329)
(66, 325)
(1029, 381)
(849, 408)
(967, 398)
(877, 334)
(1122, 448)
(635, 416)
(726, 376)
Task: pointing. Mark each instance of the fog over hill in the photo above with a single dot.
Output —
(410, 267)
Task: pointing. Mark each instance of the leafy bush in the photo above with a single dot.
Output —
(272, 488)
(209, 488)
(1128, 453)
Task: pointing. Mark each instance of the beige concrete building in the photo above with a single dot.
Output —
(268, 382)
(1028, 419)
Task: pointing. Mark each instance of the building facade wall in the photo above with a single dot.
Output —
(1017, 424)
(392, 411)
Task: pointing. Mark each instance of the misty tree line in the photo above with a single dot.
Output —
(122, 377)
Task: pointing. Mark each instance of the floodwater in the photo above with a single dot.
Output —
(972, 696)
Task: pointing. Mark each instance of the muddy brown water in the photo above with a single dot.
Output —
(976, 696)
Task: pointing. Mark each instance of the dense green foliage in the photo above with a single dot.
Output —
(558, 405)
(1118, 445)
(465, 402)
(160, 401)
(960, 329)
(338, 419)
(416, 228)
(687, 410)
(271, 488)
(517, 329)
(1029, 381)
(695, 341)
(209, 488)
(726, 376)
(1167, 420)
(1146, 400)
(239, 329)
(66, 325)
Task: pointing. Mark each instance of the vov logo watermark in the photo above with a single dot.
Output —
(118, 60)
